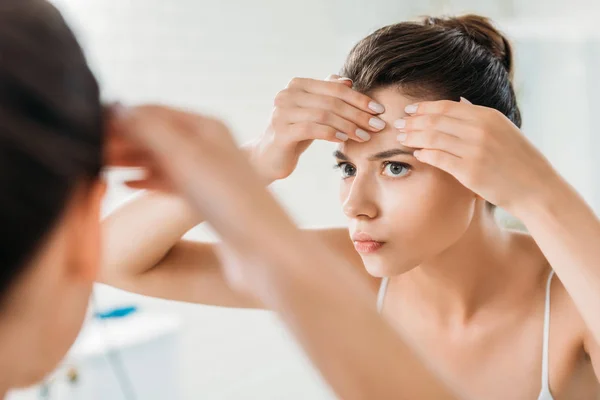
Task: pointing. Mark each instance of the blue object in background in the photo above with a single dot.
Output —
(118, 312)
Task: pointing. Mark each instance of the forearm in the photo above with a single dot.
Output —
(568, 233)
(142, 231)
(261, 166)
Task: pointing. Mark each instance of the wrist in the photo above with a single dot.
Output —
(551, 197)
(252, 151)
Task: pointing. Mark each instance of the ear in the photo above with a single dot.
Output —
(86, 246)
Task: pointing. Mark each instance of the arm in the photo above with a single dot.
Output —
(568, 233)
(145, 254)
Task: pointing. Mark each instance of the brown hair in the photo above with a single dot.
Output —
(50, 127)
(438, 58)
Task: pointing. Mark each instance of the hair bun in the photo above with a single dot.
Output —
(481, 31)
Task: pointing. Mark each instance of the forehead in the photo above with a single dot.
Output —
(394, 102)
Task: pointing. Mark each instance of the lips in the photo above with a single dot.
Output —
(365, 244)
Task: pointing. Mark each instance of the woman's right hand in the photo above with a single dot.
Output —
(309, 109)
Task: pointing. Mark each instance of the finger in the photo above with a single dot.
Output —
(440, 159)
(436, 122)
(182, 146)
(129, 161)
(343, 92)
(145, 184)
(158, 129)
(162, 133)
(120, 156)
(460, 110)
(340, 79)
(120, 144)
(124, 155)
(436, 140)
(324, 117)
(119, 137)
(115, 138)
(346, 81)
(310, 130)
(111, 113)
(362, 119)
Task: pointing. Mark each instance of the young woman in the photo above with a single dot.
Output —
(52, 131)
(427, 124)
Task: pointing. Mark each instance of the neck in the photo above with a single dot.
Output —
(471, 273)
(20, 352)
(4, 386)
(22, 321)
(7, 360)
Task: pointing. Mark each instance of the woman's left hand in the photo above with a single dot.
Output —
(480, 147)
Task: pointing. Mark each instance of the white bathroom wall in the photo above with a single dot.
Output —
(231, 57)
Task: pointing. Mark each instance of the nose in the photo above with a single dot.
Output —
(360, 200)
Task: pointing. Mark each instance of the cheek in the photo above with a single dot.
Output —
(344, 190)
(430, 213)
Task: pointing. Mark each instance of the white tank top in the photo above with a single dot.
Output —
(545, 393)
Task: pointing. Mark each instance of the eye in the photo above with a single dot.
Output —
(347, 169)
(395, 169)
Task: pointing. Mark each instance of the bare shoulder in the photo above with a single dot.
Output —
(572, 344)
(574, 354)
(564, 308)
(338, 239)
(565, 319)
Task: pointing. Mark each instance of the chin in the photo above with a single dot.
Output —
(381, 267)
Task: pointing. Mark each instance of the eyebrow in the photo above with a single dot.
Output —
(377, 156)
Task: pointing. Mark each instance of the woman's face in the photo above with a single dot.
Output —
(401, 212)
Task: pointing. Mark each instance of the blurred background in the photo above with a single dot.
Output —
(230, 58)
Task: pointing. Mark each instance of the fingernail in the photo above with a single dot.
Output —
(401, 137)
(377, 123)
(411, 109)
(400, 123)
(344, 79)
(378, 108)
(363, 134)
(342, 136)
(417, 153)
(463, 100)
(330, 77)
